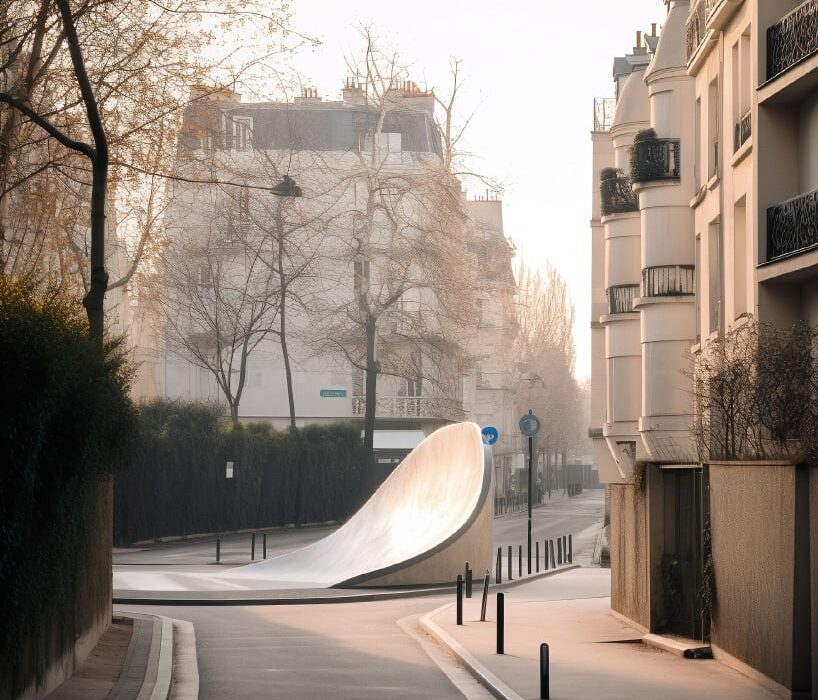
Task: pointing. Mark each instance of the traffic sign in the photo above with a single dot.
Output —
(530, 425)
(490, 435)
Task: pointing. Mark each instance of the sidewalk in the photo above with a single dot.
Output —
(593, 654)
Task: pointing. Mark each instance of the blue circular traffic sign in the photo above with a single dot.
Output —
(490, 435)
(530, 425)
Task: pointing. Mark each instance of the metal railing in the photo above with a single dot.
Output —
(792, 39)
(604, 108)
(695, 28)
(744, 129)
(655, 159)
(616, 194)
(668, 281)
(410, 407)
(620, 298)
(792, 226)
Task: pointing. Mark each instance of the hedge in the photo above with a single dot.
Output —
(174, 483)
(66, 422)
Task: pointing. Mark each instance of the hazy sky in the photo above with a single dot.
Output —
(533, 68)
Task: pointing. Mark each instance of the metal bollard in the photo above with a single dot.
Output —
(570, 550)
(564, 549)
(501, 622)
(264, 544)
(559, 551)
(545, 680)
(553, 560)
(485, 597)
(545, 553)
(520, 561)
(218, 549)
(253, 547)
(510, 577)
(537, 552)
(498, 571)
(459, 599)
(468, 580)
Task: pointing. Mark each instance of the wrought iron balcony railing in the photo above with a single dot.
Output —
(668, 281)
(792, 226)
(604, 108)
(653, 158)
(620, 298)
(616, 194)
(744, 128)
(410, 407)
(792, 39)
(696, 27)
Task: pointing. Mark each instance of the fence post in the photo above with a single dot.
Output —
(218, 549)
(485, 597)
(253, 547)
(264, 544)
(468, 580)
(510, 577)
(537, 552)
(498, 572)
(501, 621)
(459, 599)
(545, 691)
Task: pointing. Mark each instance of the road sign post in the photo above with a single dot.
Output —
(529, 426)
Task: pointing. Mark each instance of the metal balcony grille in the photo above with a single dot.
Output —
(604, 108)
(743, 130)
(792, 226)
(668, 281)
(792, 39)
(655, 159)
(620, 298)
(616, 194)
(695, 28)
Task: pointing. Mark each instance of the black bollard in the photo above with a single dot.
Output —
(545, 554)
(564, 549)
(520, 561)
(468, 580)
(501, 621)
(537, 552)
(264, 544)
(485, 597)
(459, 599)
(253, 547)
(553, 560)
(510, 577)
(559, 551)
(498, 572)
(570, 550)
(545, 691)
(218, 549)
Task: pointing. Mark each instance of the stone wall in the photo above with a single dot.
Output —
(814, 573)
(629, 553)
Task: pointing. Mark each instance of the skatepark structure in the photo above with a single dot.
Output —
(433, 514)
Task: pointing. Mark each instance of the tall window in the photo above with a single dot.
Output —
(242, 133)
(713, 128)
(361, 281)
(740, 257)
(715, 255)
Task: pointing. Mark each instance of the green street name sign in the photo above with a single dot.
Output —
(333, 393)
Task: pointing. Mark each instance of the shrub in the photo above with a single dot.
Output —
(66, 422)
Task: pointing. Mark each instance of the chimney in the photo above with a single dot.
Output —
(653, 28)
(308, 94)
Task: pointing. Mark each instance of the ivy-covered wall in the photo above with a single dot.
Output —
(66, 423)
(174, 483)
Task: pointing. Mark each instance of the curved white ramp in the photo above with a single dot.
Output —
(433, 514)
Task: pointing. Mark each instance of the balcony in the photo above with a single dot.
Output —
(620, 298)
(411, 407)
(653, 158)
(695, 29)
(616, 194)
(792, 226)
(793, 39)
(604, 108)
(743, 130)
(668, 281)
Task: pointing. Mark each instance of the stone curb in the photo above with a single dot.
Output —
(670, 645)
(127, 598)
(483, 676)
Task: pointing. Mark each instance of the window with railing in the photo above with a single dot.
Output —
(792, 226)
(668, 280)
(695, 28)
(654, 158)
(743, 130)
(616, 193)
(620, 298)
(604, 108)
(792, 39)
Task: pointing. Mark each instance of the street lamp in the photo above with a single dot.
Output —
(530, 377)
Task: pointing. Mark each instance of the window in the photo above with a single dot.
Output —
(713, 129)
(715, 257)
(697, 166)
(414, 387)
(740, 257)
(242, 133)
(698, 278)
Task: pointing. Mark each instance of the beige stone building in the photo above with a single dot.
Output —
(705, 216)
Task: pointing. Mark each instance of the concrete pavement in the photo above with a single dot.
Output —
(593, 654)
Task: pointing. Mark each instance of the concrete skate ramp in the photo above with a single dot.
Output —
(434, 513)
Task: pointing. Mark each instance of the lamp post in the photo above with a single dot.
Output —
(530, 426)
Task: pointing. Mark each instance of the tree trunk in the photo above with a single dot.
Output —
(368, 476)
(94, 301)
(282, 312)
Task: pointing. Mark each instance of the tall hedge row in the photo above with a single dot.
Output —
(175, 484)
(65, 424)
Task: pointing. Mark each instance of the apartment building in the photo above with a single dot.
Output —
(706, 219)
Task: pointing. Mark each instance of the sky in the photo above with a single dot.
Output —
(532, 70)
